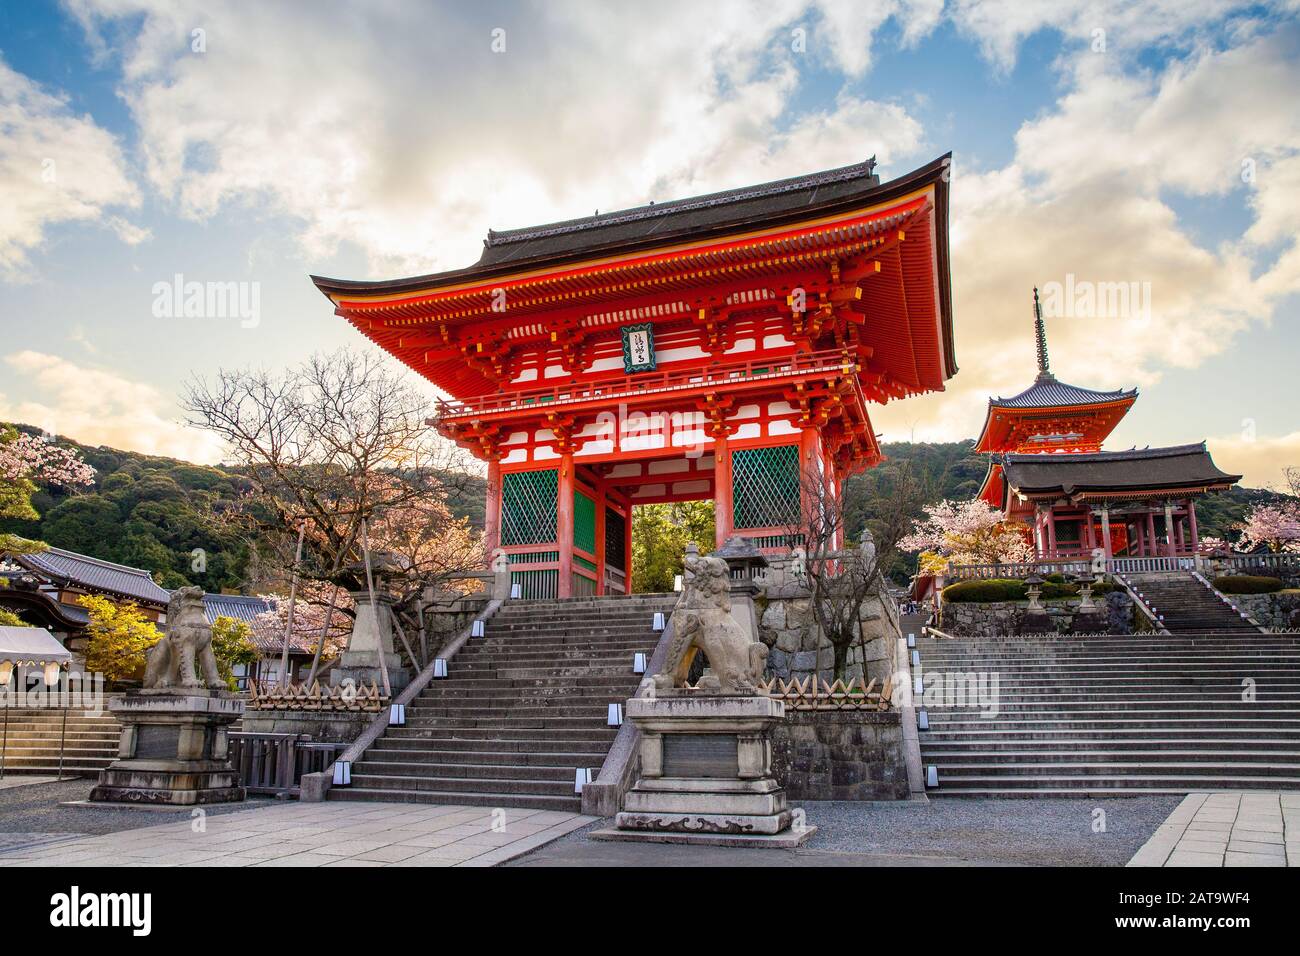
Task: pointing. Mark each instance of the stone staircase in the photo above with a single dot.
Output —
(31, 741)
(1117, 715)
(1188, 606)
(521, 710)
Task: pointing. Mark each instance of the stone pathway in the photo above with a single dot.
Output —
(1227, 829)
(315, 834)
(15, 780)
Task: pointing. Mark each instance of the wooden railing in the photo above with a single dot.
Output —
(652, 383)
(815, 693)
(1017, 569)
(274, 763)
(1285, 563)
(1151, 564)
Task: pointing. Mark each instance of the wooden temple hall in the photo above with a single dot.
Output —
(1048, 471)
(726, 346)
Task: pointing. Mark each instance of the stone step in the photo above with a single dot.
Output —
(952, 747)
(519, 760)
(506, 723)
(572, 804)
(489, 746)
(385, 764)
(498, 785)
(1193, 776)
(968, 722)
(1149, 759)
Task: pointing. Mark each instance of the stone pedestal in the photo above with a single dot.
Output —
(372, 631)
(174, 748)
(706, 773)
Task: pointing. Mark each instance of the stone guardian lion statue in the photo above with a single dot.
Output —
(186, 652)
(702, 621)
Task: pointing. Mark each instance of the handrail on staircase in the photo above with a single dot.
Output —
(603, 797)
(315, 786)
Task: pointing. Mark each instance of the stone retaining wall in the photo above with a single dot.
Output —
(840, 755)
(1279, 609)
(796, 647)
(974, 619)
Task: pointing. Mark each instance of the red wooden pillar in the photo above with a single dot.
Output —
(1105, 532)
(1191, 525)
(721, 490)
(492, 510)
(1051, 532)
(564, 526)
(1153, 549)
(600, 537)
(627, 549)
(810, 486)
(1169, 529)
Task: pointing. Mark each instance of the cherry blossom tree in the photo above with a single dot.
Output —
(1275, 526)
(27, 462)
(965, 532)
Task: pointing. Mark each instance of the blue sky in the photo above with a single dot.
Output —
(379, 140)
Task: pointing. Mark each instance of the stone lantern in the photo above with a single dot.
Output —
(1035, 619)
(746, 564)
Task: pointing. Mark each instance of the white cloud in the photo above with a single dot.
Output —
(98, 407)
(403, 132)
(1089, 193)
(1262, 462)
(54, 167)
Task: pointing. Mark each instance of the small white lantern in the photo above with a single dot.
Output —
(396, 715)
(342, 773)
(911, 640)
(917, 686)
(677, 582)
(923, 720)
(638, 663)
(516, 591)
(932, 776)
(615, 715)
(658, 623)
(6, 672)
(477, 630)
(440, 667)
(581, 777)
(916, 658)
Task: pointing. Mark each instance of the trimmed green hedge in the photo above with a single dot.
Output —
(988, 590)
(1247, 584)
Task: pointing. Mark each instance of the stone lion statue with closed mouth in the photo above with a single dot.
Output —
(184, 657)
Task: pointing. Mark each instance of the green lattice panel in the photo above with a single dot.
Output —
(615, 539)
(765, 486)
(582, 562)
(584, 523)
(528, 507)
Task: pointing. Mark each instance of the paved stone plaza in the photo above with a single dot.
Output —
(1227, 829)
(295, 834)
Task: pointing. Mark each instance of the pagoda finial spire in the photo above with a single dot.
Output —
(1040, 336)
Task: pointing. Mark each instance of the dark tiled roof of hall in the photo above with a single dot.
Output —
(1173, 466)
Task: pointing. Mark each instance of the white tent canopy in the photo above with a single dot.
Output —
(29, 646)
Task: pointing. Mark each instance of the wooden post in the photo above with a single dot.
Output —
(811, 486)
(1051, 531)
(600, 537)
(1105, 532)
(1169, 528)
(564, 526)
(492, 509)
(293, 597)
(721, 490)
(1153, 550)
(1191, 526)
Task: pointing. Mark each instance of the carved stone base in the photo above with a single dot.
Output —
(706, 770)
(174, 749)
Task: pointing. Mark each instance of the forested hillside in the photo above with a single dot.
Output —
(154, 513)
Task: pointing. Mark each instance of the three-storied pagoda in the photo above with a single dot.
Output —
(1047, 470)
(715, 347)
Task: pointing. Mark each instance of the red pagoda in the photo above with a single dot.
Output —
(720, 347)
(1048, 471)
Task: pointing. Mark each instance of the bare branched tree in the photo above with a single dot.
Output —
(841, 574)
(328, 445)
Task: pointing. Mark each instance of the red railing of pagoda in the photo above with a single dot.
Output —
(642, 384)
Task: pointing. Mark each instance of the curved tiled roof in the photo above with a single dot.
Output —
(267, 639)
(1047, 392)
(1178, 466)
(94, 574)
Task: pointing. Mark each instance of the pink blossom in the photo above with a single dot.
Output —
(37, 460)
